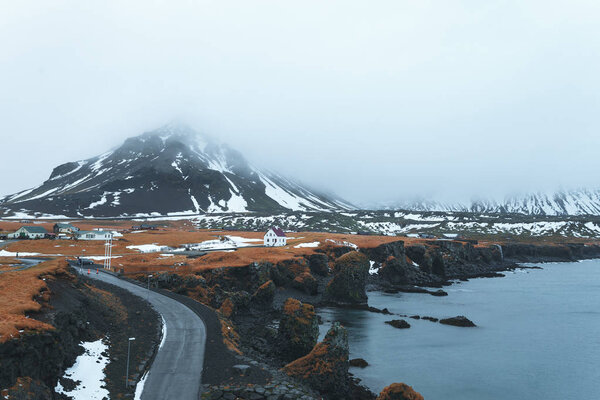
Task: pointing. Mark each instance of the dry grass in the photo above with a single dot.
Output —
(18, 291)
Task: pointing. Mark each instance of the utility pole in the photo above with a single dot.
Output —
(128, 350)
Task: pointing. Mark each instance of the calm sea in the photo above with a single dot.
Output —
(538, 337)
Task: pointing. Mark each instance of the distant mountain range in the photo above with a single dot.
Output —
(172, 170)
(564, 202)
(176, 171)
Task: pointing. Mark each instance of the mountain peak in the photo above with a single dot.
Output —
(170, 170)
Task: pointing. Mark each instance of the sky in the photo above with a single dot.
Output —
(376, 101)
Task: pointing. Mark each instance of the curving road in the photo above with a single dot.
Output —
(176, 371)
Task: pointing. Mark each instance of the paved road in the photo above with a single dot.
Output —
(177, 368)
(25, 263)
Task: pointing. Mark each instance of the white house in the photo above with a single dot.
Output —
(62, 227)
(275, 237)
(29, 232)
(93, 235)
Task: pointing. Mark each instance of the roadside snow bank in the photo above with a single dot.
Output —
(4, 253)
(89, 371)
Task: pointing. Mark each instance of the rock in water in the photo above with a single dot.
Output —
(461, 321)
(348, 285)
(298, 329)
(359, 363)
(399, 391)
(325, 368)
(398, 323)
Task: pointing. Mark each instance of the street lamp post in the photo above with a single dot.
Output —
(128, 350)
(148, 292)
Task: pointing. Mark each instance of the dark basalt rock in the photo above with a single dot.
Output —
(439, 293)
(306, 283)
(264, 294)
(318, 264)
(348, 286)
(298, 329)
(325, 368)
(358, 363)
(461, 321)
(398, 323)
(382, 252)
(432, 319)
(26, 389)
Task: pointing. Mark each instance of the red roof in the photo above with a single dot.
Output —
(278, 231)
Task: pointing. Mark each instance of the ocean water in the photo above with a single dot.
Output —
(537, 337)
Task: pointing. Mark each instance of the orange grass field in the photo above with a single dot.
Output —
(17, 292)
(175, 234)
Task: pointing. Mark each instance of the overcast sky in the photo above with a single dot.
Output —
(373, 100)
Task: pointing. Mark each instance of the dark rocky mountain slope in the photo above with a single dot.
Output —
(172, 170)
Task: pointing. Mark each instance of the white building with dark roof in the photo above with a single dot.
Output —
(275, 237)
(93, 235)
(29, 232)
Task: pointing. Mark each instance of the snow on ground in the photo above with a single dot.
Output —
(227, 242)
(89, 370)
(311, 244)
(372, 269)
(100, 202)
(101, 258)
(343, 243)
(148, 248)
(4, 253)
(242, 241)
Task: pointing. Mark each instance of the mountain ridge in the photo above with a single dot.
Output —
(171, 170)
(558, 203)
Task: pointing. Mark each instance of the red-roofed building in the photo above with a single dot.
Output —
(275, 237)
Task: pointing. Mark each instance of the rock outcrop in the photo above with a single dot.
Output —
(298, 329)
(318, 264)
(348, 286)
(264, 295)
(461, 321)
(398, 323)
(27, 389)
(325, 368)
(399, 391)
(306, 283)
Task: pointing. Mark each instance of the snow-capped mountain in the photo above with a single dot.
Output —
(564, 202)
(172, 170)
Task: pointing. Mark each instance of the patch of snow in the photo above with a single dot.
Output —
(148, 248)
(101, 258)
(89, 370)
(242, 241)
(4, 253)
(372, 269)
(99, 202)
(311, 244)
(343, 243)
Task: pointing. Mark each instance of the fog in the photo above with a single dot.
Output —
(375, 101)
